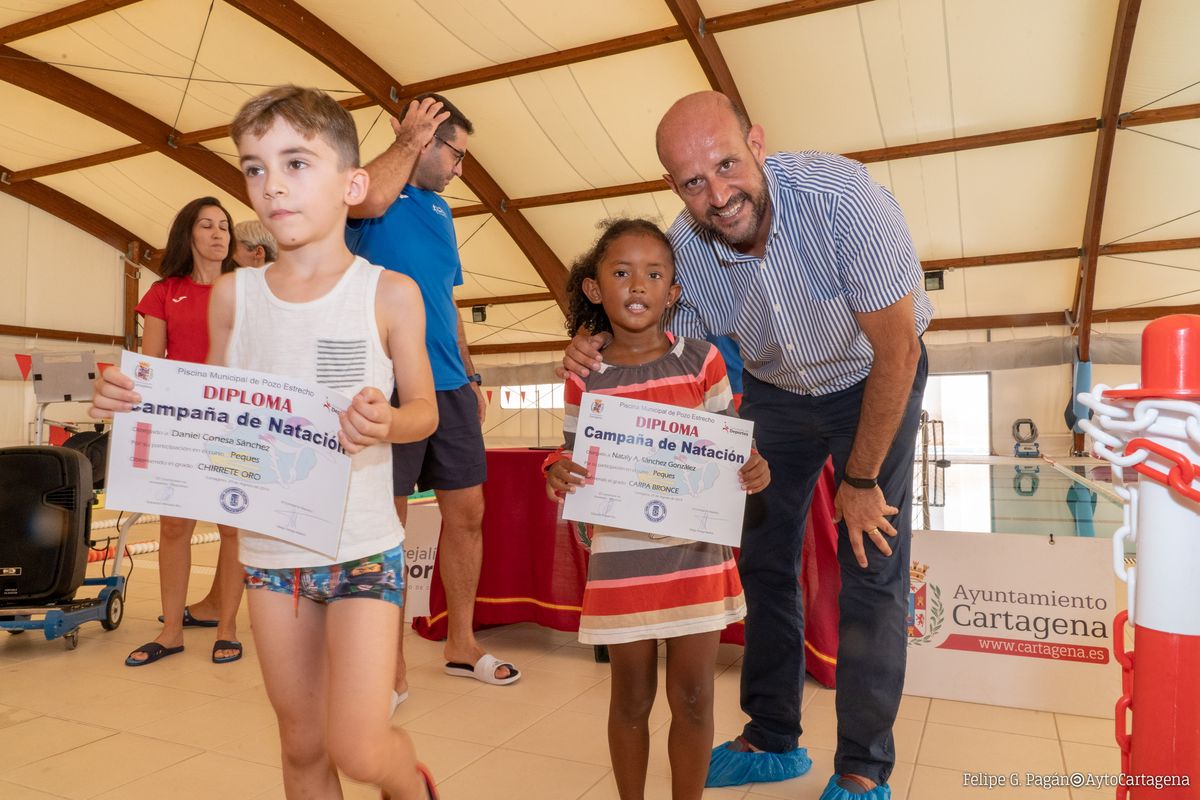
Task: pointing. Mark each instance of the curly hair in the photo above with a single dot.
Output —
(583, 314)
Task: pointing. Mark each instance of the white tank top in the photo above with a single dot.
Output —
(333, 341)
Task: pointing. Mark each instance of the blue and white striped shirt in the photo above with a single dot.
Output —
(838, 245)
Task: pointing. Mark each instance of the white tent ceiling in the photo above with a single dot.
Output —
(121, 107)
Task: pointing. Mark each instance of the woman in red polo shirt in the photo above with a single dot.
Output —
(175, 326)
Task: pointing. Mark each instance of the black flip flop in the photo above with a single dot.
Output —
(154, 651)
(193, 622)
(226, 644)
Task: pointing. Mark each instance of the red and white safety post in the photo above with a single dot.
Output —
(1154, 429)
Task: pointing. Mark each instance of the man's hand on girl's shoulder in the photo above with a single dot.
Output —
(583, 354)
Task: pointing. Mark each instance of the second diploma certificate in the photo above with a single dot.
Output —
(660, 469)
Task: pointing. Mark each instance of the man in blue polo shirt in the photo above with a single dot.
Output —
(405, 226)
(809, 265)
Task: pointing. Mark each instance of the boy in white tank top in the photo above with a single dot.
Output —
(327, 664)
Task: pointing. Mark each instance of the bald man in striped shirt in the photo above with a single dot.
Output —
(808, 264)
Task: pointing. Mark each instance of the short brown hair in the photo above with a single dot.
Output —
(309, 111)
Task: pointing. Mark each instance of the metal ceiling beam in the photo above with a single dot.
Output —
(998, 321)
(65, 336)
(704, 45)
(1037, 320)
(62, 87)
(1059, 254)
(1154, 116)
(504, 299)
(1026, 257)
(957, 144)
(519, 347)
(776, 12)
(1114, 88)
(523, 66)
(558, 58)
(915, 150)
(1139, 313)
(83, 162)
(1156, 246)
(76, 12)
(72, 211)
(291, 20)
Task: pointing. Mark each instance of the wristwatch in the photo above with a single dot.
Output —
(476, 379)
(861, 483)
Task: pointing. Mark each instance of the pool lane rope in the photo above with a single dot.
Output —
(140, 548)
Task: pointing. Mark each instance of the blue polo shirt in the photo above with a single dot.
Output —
(415, 236)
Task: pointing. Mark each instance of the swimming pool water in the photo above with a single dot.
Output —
(1024, 498)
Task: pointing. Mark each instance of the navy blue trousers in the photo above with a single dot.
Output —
(796, 434)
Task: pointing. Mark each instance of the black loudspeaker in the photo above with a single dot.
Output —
(45, 519)
(94, 446)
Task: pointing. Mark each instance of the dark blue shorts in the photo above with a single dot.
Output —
(453, 457)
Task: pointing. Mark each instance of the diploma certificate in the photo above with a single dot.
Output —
(231, 446)
(660, 469)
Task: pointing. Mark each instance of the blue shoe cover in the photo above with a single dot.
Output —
(835, 792)
(733, 768)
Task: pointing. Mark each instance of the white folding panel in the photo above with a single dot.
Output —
(74, 281)
(14, 258)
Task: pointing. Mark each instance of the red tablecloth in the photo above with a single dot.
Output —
(534, 567)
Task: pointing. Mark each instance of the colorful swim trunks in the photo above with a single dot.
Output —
(379, 577)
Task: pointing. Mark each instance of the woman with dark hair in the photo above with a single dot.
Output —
(175, 326)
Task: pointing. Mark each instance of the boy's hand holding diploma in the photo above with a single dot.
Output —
(367, 421)
(112, 392)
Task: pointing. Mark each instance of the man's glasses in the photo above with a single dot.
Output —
(459, 155)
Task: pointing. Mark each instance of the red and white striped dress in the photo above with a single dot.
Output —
(643, 586)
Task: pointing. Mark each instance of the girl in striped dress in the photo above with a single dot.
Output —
(642, 587)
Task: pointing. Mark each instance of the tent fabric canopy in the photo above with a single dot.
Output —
(122, 107)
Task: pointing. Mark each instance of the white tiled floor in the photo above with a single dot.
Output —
(80, 724)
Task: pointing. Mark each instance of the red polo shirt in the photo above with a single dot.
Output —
(182, 304)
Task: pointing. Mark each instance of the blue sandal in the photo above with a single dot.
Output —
(154, 651)
(736, 767)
